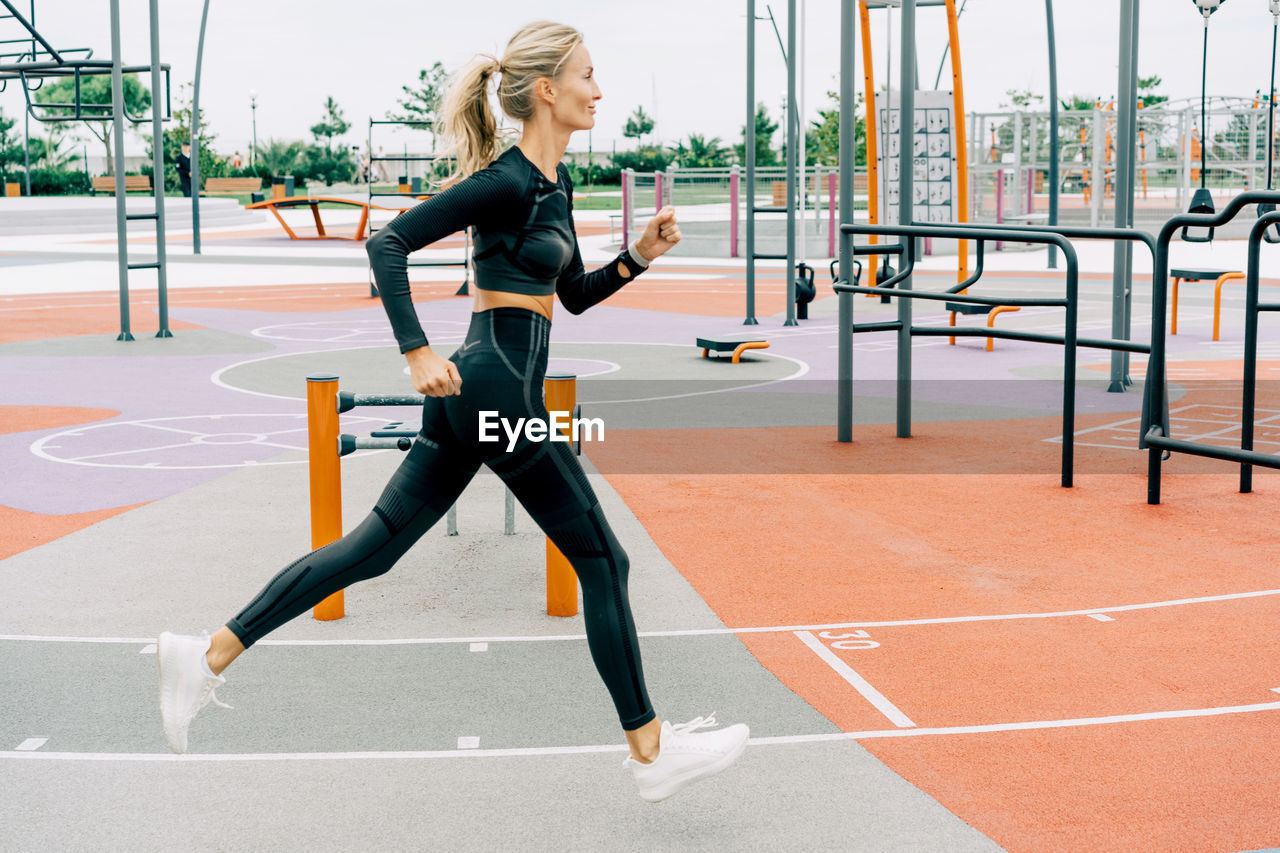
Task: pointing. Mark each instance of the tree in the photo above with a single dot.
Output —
(279, 157)
(46, 151)
(701, 153)
(96, 89)
(823, 138)
(1078, 102)
(1020, 99)
(333, 124)
(421, 103)
(765, 129)
(637, 126)
(1147, 91)
(10, 151)
(211, 165)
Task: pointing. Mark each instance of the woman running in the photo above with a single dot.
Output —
(520, 203)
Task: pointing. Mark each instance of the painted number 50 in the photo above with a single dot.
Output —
(846, 641)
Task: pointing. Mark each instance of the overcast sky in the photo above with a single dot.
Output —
(684, 62)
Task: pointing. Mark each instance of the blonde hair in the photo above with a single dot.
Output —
(467, 123)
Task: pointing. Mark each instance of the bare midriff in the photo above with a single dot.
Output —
(489, 299)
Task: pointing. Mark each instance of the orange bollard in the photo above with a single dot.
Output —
(323, 465)
(562, 581)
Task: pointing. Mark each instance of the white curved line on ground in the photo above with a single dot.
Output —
(781, 740)
(37, 447)
(804, 368)
(699, 632)
(216, 378)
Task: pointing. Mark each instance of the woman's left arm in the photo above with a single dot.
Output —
(579, 290)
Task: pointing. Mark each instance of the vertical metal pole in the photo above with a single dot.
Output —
(1126, 146)
(907, 101)
(749, 148)
(844, 301)
(792, 143)
(626, 208)
(26, 147)
(1017, 159)
(157, 172)
(195, 136)
(735, 188)
(1054, 178)
(117, 120)
(1097, 176)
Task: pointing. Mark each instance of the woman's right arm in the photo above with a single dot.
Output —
(474, 201)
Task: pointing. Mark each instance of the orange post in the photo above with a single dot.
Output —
(326, 476)
(562, 581)
(873, 141)
(962, 138)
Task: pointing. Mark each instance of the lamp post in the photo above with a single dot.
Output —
(253, 105)
(195, 137)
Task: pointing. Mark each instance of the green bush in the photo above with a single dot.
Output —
(55, 182)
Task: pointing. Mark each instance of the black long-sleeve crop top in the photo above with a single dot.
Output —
(524, 241)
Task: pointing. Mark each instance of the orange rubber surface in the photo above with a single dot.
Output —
(864, 547)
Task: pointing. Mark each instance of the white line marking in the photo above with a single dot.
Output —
(703, 632)
(479, 647)
(583, 750)
(31, 744)
(875, 697)
(1101, 617)
(468, 743)
(149, 649)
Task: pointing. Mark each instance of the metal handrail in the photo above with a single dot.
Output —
(1157, 437)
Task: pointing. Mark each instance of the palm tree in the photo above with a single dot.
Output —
(279, 157)
(701, 152)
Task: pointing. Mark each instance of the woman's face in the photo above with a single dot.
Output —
(576, 92)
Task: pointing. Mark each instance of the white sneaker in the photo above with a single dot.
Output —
(686, 755)
(186, 684)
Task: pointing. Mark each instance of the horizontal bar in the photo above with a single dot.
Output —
(1227, 454)
(768, 257)
(1081, 232)
(1014, 335)
(461, 263)
(348, 444)
(893, 326)
(951, 231)
(405, 159)
(132, 216)
(952, 297)
(348, 400)
(144, 266)
(880, 249)
(771, 210)
(1269, 306)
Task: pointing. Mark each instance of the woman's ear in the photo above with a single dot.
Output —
(545, 90)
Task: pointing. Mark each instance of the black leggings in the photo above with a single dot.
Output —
(502, 363)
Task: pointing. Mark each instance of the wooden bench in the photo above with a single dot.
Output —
(1221, 277)
(233, 186)
(737, 344)
(132, 183)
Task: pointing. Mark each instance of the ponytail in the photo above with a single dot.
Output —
(467, 122)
